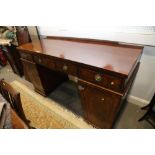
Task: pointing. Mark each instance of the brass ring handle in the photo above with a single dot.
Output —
(98, 77)
(65, 68)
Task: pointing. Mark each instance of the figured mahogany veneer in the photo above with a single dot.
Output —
(105, 72)
(108, 81)
(102, 108)
(119, 59)
(66, 67)
(45, 61)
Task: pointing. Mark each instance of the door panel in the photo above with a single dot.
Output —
(100, 106)
(31, 74)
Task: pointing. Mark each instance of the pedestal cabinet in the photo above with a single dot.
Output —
(100, 106)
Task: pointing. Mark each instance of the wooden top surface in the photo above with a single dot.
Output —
(116, 58)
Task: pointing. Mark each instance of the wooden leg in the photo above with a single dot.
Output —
(150, 104)
(151, 123)
(149, 109)
(144, 117)
(145, 107)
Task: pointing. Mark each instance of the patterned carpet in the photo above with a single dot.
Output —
(45, 113)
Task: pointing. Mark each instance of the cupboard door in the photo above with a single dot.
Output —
(100, 106)
(32, 75)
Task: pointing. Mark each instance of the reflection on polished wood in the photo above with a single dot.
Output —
(105, 72)
(118, 58)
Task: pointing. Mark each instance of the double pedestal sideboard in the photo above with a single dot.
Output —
(104, 72)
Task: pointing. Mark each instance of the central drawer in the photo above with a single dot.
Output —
(105, 80)
(66, 67)
(44, 61)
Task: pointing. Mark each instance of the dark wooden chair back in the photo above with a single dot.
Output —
(13, 97)
(149, 115)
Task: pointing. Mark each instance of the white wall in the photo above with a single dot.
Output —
(132, 34)
(144, 84)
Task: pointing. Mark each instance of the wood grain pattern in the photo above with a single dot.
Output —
(26, 56)
(107, 81)
(114, 58)
(100, 106)
(66, 67)
(32, 75)
(105, 72)
(45, 61)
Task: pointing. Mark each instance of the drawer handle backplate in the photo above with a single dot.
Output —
(98, 77)
(65, 68)
(112, 83)
(102, 99)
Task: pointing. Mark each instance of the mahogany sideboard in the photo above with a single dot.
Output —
(104, 71)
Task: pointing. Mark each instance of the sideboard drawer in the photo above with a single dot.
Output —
(105, 80)
(26, 56)
(66, 67)
(45, 61)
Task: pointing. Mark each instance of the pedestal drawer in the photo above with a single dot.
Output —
(44, 61)
(26, 56)
(105, 80)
